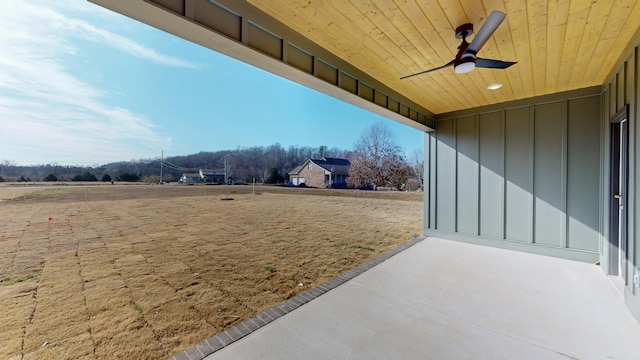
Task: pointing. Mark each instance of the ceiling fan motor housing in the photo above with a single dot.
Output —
(464, 30)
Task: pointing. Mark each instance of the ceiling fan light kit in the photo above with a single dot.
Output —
(466, 64)
(466, 60)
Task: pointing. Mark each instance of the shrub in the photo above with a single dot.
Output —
(1, 179)
(274, 177)
(129, 177)
(84, 176)
(50, 177)
(105, 177)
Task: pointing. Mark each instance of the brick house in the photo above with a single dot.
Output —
(324, 172)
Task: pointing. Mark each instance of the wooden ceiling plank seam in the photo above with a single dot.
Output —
(454, 12)
(537, 13)
(441, 24)
(576, 22)
(617, 26)
(380, 51)
(393, 35)
(393, 29)
(519, 27)
(598, 14)
(629, 33)
(389, 34)
(286, 19)
(416, 18)
(334, 31)
(556, 30)
(399, 21)
(422, 29)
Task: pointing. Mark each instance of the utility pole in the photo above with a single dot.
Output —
(226, 180)
(161, 164)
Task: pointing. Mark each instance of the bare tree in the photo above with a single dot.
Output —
(5, 164)
(417, 163)
(378, 160)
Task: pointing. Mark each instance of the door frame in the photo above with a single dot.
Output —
(618, 186)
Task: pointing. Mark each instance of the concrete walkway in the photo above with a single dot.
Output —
(441, 299)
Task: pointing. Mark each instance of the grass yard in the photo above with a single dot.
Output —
(143, 272)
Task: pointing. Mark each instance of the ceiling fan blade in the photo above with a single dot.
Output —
(493, 64)
(488, 28)
(430, 70)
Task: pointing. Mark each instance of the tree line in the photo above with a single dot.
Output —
(377, 161)
(243, 165)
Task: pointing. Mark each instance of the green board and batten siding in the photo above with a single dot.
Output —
(624, 89)
(524, 175)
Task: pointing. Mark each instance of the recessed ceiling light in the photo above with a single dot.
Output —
(494, 86)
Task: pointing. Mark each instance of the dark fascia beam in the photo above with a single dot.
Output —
(240, 30)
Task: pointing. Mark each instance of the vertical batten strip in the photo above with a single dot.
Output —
(478, 188)
(455, 180)
(503, 153)
(434, 161)
(564, 241)
(532, 168)
(426, 180)
(635, 111)
(606, 103)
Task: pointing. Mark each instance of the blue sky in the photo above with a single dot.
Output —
(81, 85)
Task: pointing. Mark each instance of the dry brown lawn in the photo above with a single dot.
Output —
(144, 272)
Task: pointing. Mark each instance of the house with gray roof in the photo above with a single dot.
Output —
(323, 172)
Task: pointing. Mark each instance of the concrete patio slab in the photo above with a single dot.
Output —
(442, 299)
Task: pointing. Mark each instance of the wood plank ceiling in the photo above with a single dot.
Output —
(559, 44)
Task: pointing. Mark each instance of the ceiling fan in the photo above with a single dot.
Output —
(466, 59)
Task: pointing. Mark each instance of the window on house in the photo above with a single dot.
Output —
(309, 167)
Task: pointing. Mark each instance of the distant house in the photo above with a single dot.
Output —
(324, 172)
(190, 178)
(212, 175)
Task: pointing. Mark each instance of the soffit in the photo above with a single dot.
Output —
(559, 45)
